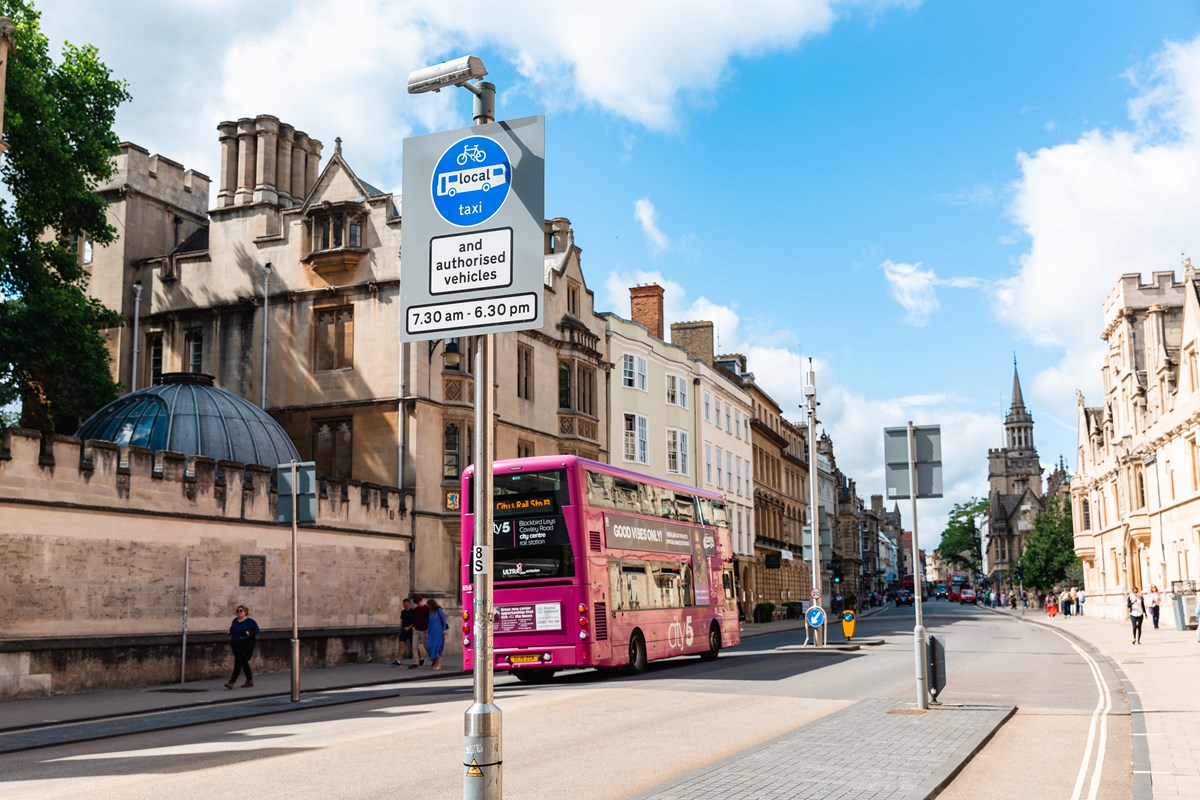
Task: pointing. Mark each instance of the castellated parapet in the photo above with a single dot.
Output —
(135, 169)
(1130, 292)
(102, 548)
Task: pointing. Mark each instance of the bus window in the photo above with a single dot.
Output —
(719, 520)
(684, 508)
(634, 587)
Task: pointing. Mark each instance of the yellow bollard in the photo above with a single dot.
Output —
(848, 624)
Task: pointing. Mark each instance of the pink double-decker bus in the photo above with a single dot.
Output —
(598, 566)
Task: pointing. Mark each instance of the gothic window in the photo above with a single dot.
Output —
(564, 385)
(334, 339)
(1087, 515)
(450, 453)
(524, 449)
(336, 229)
(524, 372)
(573, 298)
(586, 378)
(333, 447)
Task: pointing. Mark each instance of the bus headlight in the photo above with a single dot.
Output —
(582, 635)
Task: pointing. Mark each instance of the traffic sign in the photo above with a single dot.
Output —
(473, 209)
(815, 616)
(816, 594)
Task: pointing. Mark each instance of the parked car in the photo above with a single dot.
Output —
(968, 596)
(904, 598)
(941, 592)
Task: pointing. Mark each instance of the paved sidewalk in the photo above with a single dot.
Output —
(1160, 676)
(909, 754)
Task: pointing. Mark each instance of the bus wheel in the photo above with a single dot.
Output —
(714, 644)
(541, 675)
(637, 654)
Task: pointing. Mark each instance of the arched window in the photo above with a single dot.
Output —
(564, 385)
(1087, 515)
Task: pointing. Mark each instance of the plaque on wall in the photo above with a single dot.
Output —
(253, 571)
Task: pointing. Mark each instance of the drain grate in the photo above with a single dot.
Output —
(911, 712)
(179, 690)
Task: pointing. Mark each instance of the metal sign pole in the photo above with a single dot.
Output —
(810, 391)
(295, 583)
(919, 630)
(482, 724)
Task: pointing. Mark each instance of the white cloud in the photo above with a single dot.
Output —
(647, 217)
(912, 288)
(1110, 203)
(853, 421)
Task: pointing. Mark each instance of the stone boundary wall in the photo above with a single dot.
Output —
(97, 545)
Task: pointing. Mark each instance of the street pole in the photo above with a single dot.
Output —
(919, 630)
(482, 751)
(295, 584)
(810, 392)
(137, 312)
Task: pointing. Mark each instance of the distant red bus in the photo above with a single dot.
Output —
(598, 566)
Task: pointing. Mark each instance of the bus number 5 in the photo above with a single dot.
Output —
(690, 636)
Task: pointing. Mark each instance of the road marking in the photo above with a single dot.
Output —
(1098, 724)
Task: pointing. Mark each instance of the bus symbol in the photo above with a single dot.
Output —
(475, 179)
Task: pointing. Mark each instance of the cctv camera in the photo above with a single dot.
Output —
(448, 73)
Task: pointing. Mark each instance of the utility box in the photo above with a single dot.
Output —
(1185, 607)
(935, 651)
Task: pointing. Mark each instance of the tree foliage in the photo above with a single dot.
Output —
(58, 121)
(960, 545)
(1050, 547)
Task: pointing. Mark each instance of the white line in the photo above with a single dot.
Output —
(1099, 720)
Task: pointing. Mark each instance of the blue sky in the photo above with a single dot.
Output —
(908, 192)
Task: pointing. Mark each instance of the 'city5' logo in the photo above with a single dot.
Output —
(501, 527)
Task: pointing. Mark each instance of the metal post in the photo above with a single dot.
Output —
(483, 759)
(137, 312)
(295, 584)
(482, 753)
(187, 570)
(266, 298)
(919, 630)
(810, 391)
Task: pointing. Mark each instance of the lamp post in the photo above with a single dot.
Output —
(810, 393)
(482, 723)
(137, 312)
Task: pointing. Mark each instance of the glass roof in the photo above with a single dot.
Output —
(187, 414)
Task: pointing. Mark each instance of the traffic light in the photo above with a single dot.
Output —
(836, 569)
(1017, 572)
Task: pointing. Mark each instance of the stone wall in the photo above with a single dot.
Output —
(97, 545)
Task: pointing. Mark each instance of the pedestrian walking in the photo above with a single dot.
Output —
(1153, 602)
(420, 632)
(1024, 598)
(1064, 602)
(1079, 605)
(1052, 605)
(404, 646)
(1137, 613)
(1074, 601)
(436, 641)
(243, 633)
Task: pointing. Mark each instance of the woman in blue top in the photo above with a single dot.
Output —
(437, 634)
(242, 635)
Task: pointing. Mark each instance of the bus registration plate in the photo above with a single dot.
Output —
(530, 658)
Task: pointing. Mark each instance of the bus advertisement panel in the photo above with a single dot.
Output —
(597, 566)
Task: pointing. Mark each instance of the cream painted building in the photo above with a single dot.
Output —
(1136, 493)
(677, 415)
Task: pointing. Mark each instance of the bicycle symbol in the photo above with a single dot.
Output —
(471, 152)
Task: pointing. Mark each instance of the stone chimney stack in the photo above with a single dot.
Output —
(696, 338)
(646, 305)
(558, 235)
(877, 503)
(267, 161)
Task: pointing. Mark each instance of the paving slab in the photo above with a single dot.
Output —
(909, 754)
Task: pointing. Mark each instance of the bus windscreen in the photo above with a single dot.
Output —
(529, 534)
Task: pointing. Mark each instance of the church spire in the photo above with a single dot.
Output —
(1018, 402)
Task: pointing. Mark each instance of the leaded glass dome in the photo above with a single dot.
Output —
(186, 414)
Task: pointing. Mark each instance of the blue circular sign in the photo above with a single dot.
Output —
(471, 181)
(816, 616)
